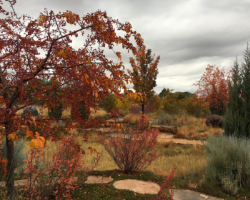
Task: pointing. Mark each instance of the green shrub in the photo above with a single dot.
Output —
(109, 103)
(19, 156)
(81, 109)
(164, 115)
(225, 155)
(126, 112)
(56, 112)
(55, 109)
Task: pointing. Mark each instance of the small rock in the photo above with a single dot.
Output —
(98, 179)
(32, 110)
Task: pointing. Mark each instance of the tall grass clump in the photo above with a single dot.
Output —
(19, 156)
(228, 163)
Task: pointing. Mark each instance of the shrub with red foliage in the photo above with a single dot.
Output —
(134, 152)
(134, 109)
(168, 180)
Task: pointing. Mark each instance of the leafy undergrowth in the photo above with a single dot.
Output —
(107, 191)
(184, 156)
(192, 181)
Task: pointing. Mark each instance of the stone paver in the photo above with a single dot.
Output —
(190, 195)
(165, 137)
(98, 179)
(142, 187)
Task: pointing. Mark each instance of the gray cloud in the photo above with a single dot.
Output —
(188, 35)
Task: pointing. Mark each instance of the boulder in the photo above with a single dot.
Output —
(214, 121)
(32, 110)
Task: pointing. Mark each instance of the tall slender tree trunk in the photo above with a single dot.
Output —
(10, 164)
(142, 108)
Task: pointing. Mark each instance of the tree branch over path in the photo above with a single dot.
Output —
(21, 66)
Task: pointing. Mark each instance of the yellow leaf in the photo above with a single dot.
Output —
(42, 139)
(119, 55)
(38, 141)
(62, 53)
(33, 118)
(33, 143)
(11, 136)
(29, 133)
(89, 60)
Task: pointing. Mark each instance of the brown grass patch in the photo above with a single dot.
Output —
(204, 135)
(167, 144)
(195, 136)
(189, 133)
(186, 163)
(131, 118)
(179, 134)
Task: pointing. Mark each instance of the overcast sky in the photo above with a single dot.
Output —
(187, 34)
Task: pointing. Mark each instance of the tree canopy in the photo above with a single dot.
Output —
(21, 63)
(213, 86)
(144, 76)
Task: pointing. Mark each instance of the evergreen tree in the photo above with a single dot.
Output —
(56, 110)
(182, 95)
(246, 92)
(232, 123)
(238, 111)
(164, 92)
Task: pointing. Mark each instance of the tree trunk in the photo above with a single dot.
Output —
(142, 108)
(10, 164)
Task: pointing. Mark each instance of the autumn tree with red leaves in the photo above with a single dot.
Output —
(213, 86)
(21, 64)
(143, 75)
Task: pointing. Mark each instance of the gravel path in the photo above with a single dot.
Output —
(163, 137)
